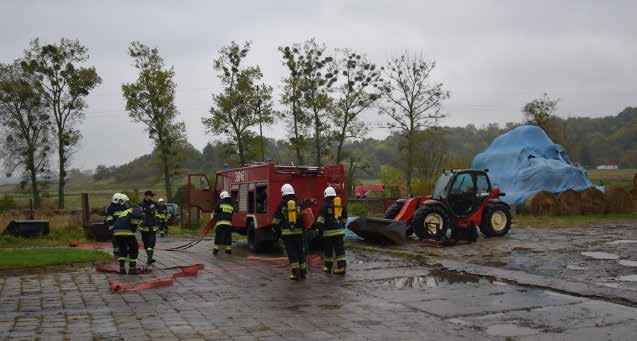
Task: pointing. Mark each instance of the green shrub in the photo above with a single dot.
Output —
(356, 209)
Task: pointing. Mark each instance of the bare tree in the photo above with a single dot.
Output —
(26, 126)
(64, 84)
(358, 89)
(412, 100)
(151, 100)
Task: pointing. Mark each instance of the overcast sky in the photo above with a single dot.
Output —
(492, 55)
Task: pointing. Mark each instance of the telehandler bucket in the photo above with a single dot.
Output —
(382, 231)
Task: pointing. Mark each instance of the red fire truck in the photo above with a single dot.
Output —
(256, 191)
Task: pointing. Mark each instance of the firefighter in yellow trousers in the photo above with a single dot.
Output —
(331, 224)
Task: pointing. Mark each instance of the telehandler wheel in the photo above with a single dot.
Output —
(496, 220)
(431, 222)
(393, 209)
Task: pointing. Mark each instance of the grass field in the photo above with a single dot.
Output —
(39, 257)
(613, 177)
(525, 220)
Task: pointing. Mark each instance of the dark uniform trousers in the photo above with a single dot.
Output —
(223, 236)
(334, 251)
(294, 249)
(128, 249)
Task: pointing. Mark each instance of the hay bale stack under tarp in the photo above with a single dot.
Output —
(570, 202)
(618, 200)
(542, 203)
(593, 201)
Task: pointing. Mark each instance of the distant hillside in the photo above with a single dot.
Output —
(589, 141)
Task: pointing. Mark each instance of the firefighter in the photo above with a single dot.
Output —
(222, 215)
(124, 230)
(113, 212)
(162, 218)
(149, 226)
(331, 223)
(289, 224)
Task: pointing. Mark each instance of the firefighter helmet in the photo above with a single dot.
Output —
(329, 192)
(123, 199)
(224, 195)
(287, 189)
(116, 198)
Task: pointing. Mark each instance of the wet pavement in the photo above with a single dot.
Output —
(601, 255)
(381, 298)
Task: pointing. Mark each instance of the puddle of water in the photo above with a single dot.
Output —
(575, 267)
(622, 241)
(600, 255)
(510, 330)
(626, 262)
(437, 278)
(627, 278)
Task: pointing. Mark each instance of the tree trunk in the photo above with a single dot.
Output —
(242, 160)
(166, 170)
(410, 156)
(262, 141)
(299, 156)
(317, 138)
(62, 170)
(340, 143)
(34, 185)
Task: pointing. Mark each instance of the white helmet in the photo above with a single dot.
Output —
(123, 198)
(160, 200)
(287, 189)
(329, 192)
(116, 198)
(224, 195)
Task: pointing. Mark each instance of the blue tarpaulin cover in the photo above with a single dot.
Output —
(525, 160)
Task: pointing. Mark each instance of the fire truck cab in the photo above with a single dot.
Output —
(256, 192)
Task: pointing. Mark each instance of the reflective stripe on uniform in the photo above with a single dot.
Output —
(320, 220)
(228, 247)
(333, 233)
(294, 265)
(302, 266)
(340, 258)
(122, 233)
(287, 232)
(339, 270)
(276, 220)
(215, 247)
(226, 208)
(223, 222)
(122, 258)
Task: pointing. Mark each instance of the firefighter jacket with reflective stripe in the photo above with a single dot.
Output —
(113, 211)
(329, 221)
(126, 224)
(161, 213)
(150, 221)
(222, 213)
(288, 222)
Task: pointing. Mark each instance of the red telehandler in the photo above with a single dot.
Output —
(462, 202)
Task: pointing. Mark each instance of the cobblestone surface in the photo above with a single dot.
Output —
(381, 298)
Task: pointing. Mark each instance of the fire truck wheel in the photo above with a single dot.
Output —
(496, 220)
(253, 244)
(430, 222)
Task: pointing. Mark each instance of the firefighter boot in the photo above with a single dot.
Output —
(302, 271)
(122, 267)
(340, 267)
(327, 266)
(150, 260)
(294, 274)
(228, 250)
(132, 269)
(215, 250)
